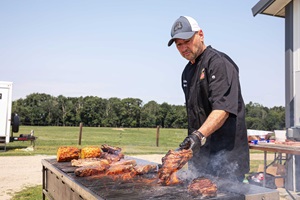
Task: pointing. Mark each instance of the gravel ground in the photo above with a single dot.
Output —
(18, 172)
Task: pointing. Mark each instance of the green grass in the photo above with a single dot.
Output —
(29, 193)
(131, 140)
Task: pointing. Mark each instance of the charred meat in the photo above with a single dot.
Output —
(145, 169)
(89, 162)
(66, 154)
(172, 162)
(121, 167)
(110, 149)
(202, 186)
(90, 170)
(113, 154)
(112, 157)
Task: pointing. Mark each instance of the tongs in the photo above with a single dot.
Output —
(178, 149)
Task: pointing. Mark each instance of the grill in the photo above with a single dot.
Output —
(60, 183)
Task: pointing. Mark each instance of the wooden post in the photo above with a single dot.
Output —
(157, 136)
(80, 133)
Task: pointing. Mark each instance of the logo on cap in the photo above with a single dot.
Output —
(177, 26)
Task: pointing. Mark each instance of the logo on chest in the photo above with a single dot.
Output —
(202, 75)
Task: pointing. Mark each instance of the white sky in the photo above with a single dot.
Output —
(119, 48)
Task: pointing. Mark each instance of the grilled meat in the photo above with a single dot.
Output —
(111, 149)
(202, 186)
(145, 169)
(112, 157)
(113, 154)
(90, 152)
(98, 166)
(125, 176)
(66, 154)
(89, 162)
(124, 162)
(172, 162)
(90, 170)
(121, 167)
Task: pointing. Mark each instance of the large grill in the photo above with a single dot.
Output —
(60, 183)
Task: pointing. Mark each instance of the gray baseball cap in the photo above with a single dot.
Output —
(183, 28)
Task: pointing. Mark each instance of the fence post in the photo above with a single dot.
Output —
(157, 136)
(80, 133)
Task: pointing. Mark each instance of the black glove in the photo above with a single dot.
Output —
(191, 142)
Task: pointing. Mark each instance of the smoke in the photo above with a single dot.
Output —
(223, 165)
(221, 168)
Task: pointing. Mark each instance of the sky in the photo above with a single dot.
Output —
(119, 48)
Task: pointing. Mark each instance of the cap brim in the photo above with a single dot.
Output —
(184, 36)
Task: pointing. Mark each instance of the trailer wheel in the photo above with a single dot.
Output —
(15, 123)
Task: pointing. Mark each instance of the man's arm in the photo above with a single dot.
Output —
(213, 122)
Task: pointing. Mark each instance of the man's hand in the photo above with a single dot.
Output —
(191, 142)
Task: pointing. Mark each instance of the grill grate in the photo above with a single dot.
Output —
(139, 187)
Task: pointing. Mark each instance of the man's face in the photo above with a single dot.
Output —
(191, 48)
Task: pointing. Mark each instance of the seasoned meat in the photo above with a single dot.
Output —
(90, 152)
(113, 154)
(145, 169)
(126, 175)
(124, 162)
(66, 154)
(111, 149)
(90, 170)
(121, 167)
(202, 186)
(89, 162)
(112, 157)
(172, 162)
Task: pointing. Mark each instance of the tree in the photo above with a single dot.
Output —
(65, 106)
(112, 115)
(75, 116)
(180, 118)
(93, 111)
(149, 114)
(131, 112)
(44, 109)
(275, 119)
(39, 108)
(163, 112)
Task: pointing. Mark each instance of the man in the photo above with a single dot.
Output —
(217, 131)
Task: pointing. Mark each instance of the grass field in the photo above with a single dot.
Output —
(29, 193)
(131, 140)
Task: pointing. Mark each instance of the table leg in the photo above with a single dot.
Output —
(294, 173)
(44, 180)
(265, 168)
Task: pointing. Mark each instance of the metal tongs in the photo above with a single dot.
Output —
(178, 149)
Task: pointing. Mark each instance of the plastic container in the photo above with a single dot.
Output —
(280, 135)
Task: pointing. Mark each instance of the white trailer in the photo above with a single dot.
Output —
(5, 112)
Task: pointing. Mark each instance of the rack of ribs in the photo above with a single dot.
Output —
(113, 154)
(88, 162)
(171, 163)
(202, 186)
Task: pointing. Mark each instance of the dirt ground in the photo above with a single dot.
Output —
(18, 172)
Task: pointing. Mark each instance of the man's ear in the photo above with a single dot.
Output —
(201, 34)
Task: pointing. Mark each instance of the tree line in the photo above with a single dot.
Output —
(40, 109)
